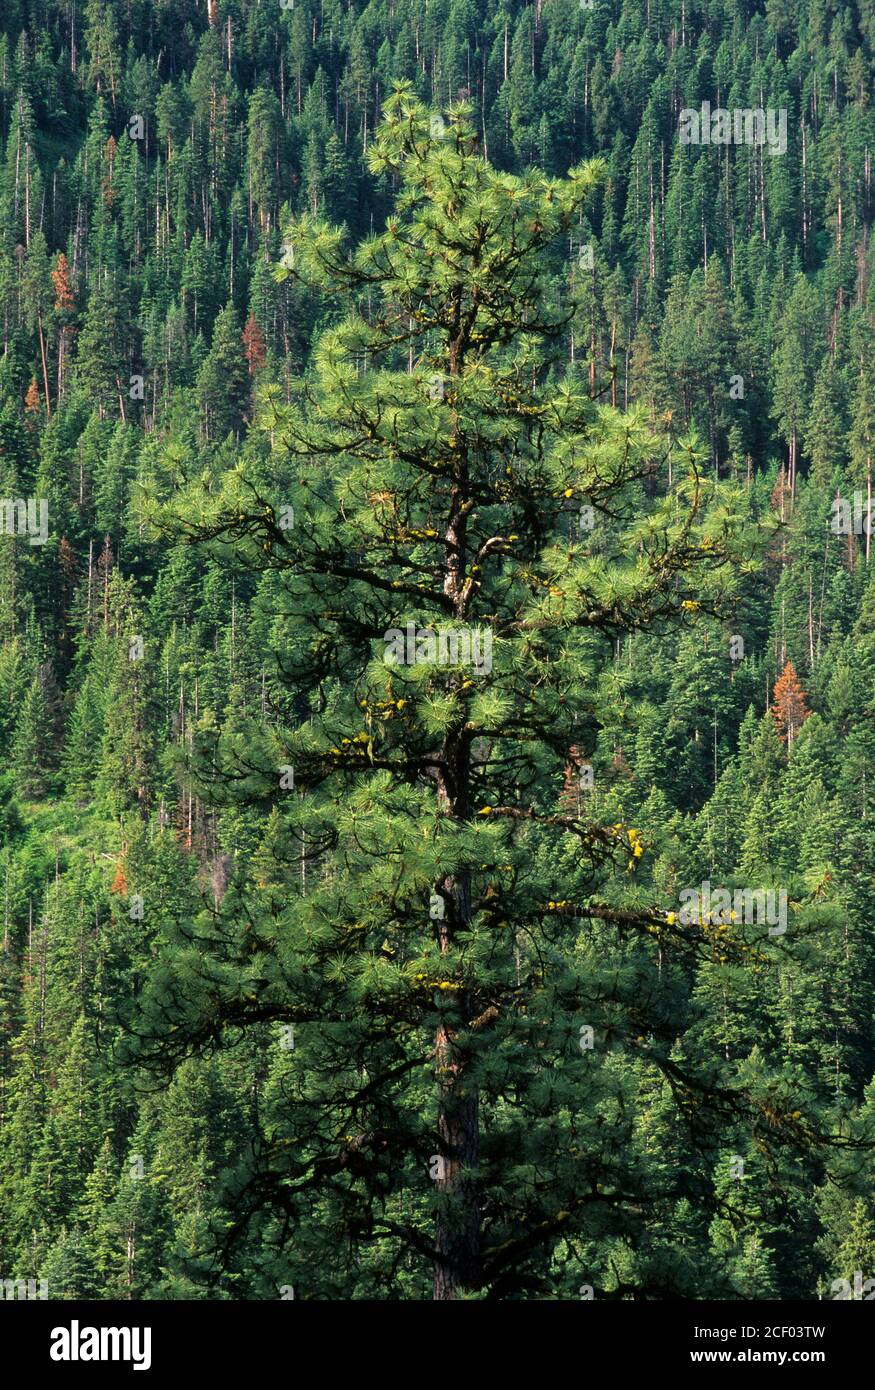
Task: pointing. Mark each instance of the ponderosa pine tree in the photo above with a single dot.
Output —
(470, 1017)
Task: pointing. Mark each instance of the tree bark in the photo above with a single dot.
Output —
(457, 1235)
(42, 348)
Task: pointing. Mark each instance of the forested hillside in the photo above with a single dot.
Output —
(329, 328)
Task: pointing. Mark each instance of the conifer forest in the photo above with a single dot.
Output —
(437, 650)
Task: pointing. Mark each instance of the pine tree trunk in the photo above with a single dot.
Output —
(457, 1235)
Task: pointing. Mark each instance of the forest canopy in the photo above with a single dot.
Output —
(437, 643)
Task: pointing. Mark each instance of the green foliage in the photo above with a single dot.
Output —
(283, 923)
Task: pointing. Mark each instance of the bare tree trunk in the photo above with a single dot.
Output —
(42, 348)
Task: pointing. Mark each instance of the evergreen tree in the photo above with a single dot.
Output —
(417, 522)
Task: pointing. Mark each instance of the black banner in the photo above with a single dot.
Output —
(85, 1340)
